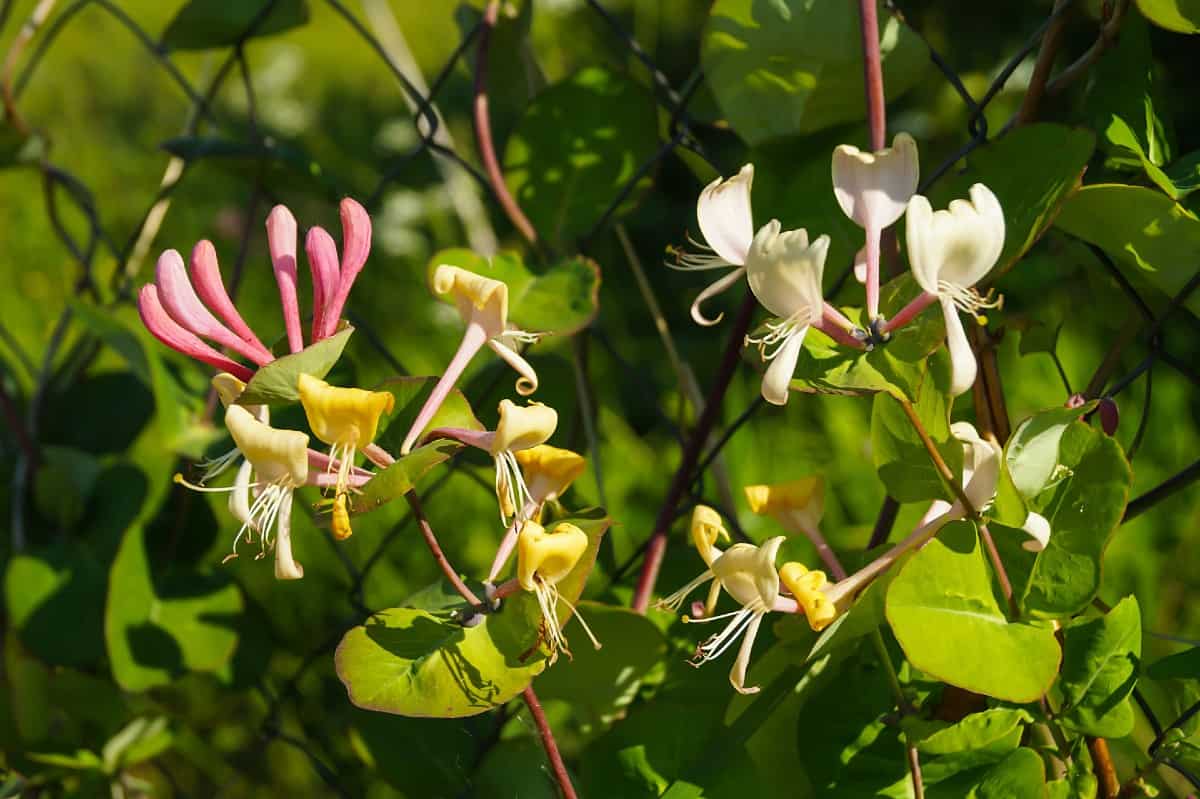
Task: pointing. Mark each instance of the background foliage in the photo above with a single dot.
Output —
(132, 659)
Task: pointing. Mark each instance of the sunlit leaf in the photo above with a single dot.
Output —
(1180, 16)
(276, 383)
(944, 613)
(1101, 657)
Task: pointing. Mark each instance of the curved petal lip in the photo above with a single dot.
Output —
(725, 216)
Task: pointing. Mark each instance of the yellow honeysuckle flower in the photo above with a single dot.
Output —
(521, 427)
(483, 304)
(547, 472)
(543, 560)
(346, 419)
(806, 587)
(797, 504)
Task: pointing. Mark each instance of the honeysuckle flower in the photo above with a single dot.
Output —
(982, 460)
(543, 560)
(483, 304)
(806, 588)
(182, 312)
(873, 189)
(949, 252)
(276, 463)
(747, 573)
(521, 427)
(797, 505)
(346, 419)
(727, 226)
(784, 271)
(548, 472)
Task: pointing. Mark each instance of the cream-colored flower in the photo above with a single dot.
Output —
(727, 224)
(949, 252)
(784, 271)
(873, 189)
(544, 559)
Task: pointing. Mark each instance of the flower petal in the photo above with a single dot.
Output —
(712, 290)
(286, 567)
(1038, 528)
(725, 217)
(962, 360)
(737, 675)
(874, 188)
(779, 374)
(918, 233)
(356, 246)
(784, 272)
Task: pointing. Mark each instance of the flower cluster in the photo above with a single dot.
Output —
(949, 252)
(194, 314)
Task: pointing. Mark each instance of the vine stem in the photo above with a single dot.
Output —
(657, 545)
(1106, 772)
(483, 129)
(435, 548)
(1045, 63)
(873, 72)
(939, 462)
(551, 746)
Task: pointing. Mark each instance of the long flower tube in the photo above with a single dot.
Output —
(797, 505)
(873, 189)
(483, 305)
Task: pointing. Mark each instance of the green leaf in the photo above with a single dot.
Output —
(899, 367)
(1021, 775)
(1183, 665)
(1119, 133)
(1083, 509)
(275, 383)
(599, 683)
(415, 663)
(994, 731)
(1145, 231)
(55, 590)
(399, 478)
(944, 614)
(561, 300)
(577, 146)
(1099, 670)
(409, 395)
(156, 635)
(207, 24)
(786, 67)
(1180, 16)
(1031, 453)
(138, 741)
(420, 663)
(1032, 171)
(1184, 174)
(903, 464)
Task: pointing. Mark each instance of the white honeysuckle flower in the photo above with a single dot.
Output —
(727, 225)
(784, 271)
(873, 189)
(747, 573)
(982, 460)
(949, 252)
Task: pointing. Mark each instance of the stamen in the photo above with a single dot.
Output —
(576, 614)
(673, 601)
(778, 334)
(696, 261)
(179, 478)
(970, 301)
(716, 646)
(214, 466)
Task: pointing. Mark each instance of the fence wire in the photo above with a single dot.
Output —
(60, 185)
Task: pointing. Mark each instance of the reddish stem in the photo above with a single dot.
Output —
(414, 502)
(838, 334)
(657, 546)
(483, 129)
(551, 746)
(13, 416)
(873, 73)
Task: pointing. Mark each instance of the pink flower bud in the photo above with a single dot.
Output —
(206, 278)
(281, 240)
(169, 332)
(356, 246)
(323, 263)
(1110, 416)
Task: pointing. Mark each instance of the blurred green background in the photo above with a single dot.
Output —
(247, 694)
